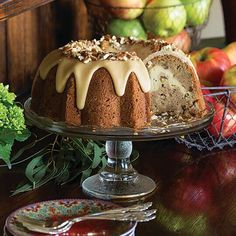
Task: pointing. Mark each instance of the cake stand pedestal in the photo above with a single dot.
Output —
(119, 180)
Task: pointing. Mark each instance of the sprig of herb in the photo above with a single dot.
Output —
(63, 160)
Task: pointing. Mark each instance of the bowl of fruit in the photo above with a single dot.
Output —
(216, 69)
(176, 21)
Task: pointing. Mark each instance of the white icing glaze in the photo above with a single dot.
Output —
(51, 60)
(119, 71)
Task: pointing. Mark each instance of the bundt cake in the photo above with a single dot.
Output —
(115, 82)
(83, 85)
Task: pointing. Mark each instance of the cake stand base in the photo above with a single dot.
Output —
(118, 180)
(96, 186)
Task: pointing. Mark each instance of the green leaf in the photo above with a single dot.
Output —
(104, 162)
(30, 186)
(22, 150)
(7, 135)
(5, 152)
(97, 156)
(44, 151)
(50, 176)
(22, 188)
(78, 172)
(64, 176)
(89, 148)
(40, 173)
(24, 135)
(63, 173)
(85, 175)
(78, 144)
(30, 169)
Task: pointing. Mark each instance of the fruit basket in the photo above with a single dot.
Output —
(222, 131)
(176, 21)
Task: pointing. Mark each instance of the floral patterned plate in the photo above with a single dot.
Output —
(67, 208)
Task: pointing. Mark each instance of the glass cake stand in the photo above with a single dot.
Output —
(119, 180)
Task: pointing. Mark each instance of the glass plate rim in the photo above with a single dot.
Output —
(117, 133)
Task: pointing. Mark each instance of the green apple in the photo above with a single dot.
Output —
(197, 11)
(164, 18)
(126, 28)
(125, 9)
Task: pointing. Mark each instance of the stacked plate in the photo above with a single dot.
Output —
(67, 208)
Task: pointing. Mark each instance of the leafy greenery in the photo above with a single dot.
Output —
(62, 160)
(12, 123)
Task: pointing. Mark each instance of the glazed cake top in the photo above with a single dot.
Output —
(114, 49)
(86, 51)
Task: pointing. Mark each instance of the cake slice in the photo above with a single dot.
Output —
(175, 87)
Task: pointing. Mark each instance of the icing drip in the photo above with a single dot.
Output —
(119, 71)
(51, 60)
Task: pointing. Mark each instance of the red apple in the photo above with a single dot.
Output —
(210, 64)
(190, 193)
(229, 79)
(182, 40)
(230, 50)
(207, 95)
(125, 9)
(229, 124)
(222, 167)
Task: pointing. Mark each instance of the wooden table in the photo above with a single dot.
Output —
(202, 200)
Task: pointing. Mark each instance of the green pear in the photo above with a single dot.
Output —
(164, 18)
(126, 28)
(197, 11)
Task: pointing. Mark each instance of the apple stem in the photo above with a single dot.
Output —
(203, 57)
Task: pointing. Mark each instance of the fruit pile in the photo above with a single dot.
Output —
(200, 196)
(143, 19)
(216, 69)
